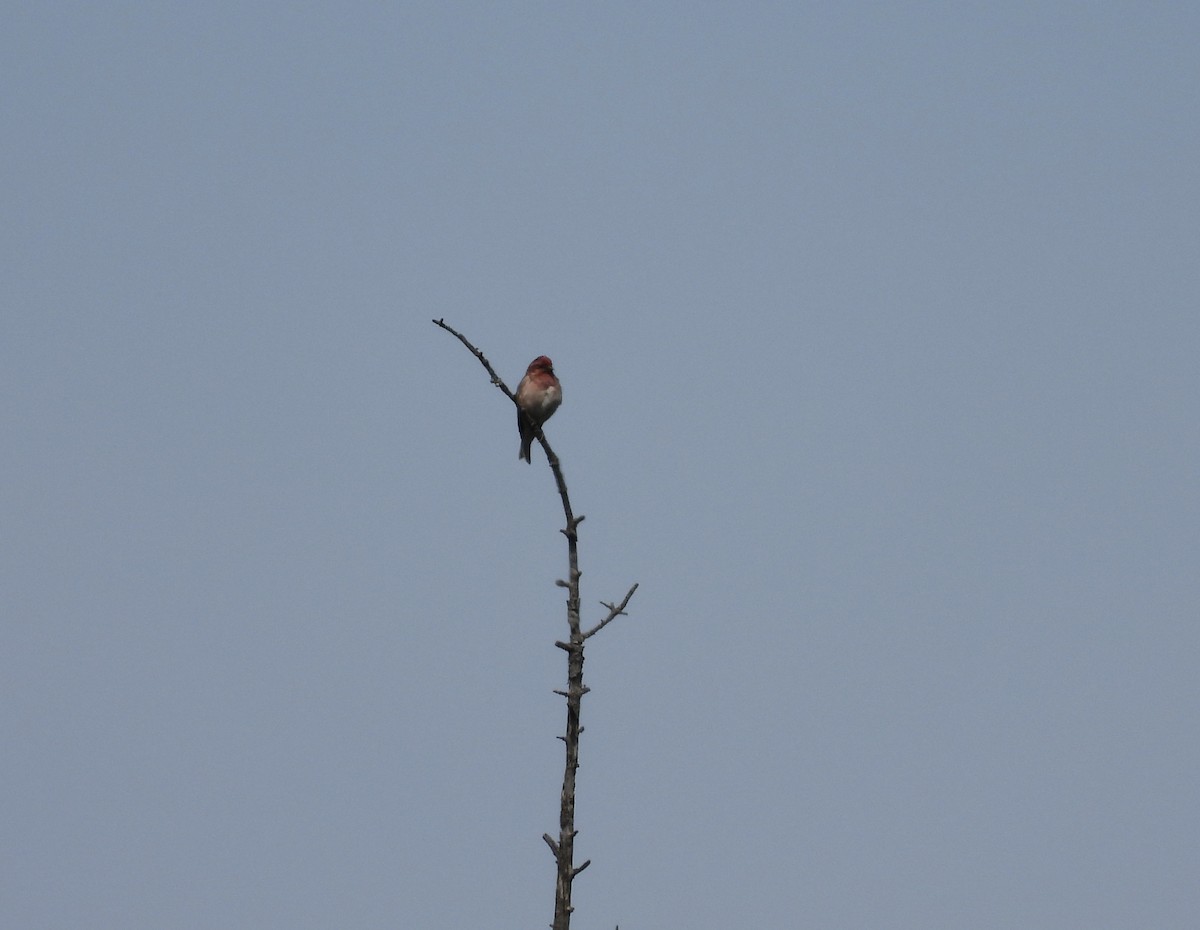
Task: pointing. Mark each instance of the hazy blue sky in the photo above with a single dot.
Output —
(878, 326)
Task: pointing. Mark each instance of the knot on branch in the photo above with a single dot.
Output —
(574, 692)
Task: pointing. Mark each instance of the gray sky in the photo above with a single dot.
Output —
(878, 329)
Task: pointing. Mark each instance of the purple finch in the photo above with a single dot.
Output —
(538, 396)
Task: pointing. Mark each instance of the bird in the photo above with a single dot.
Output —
(538, 396)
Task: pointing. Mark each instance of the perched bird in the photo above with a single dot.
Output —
(538, 396)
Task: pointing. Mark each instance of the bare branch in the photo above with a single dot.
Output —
(613, 613)
(564, 848)
(496, 379)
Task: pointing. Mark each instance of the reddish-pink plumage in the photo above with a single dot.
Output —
(538, 396)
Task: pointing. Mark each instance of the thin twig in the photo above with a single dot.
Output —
(496, 379)
(613, 613)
